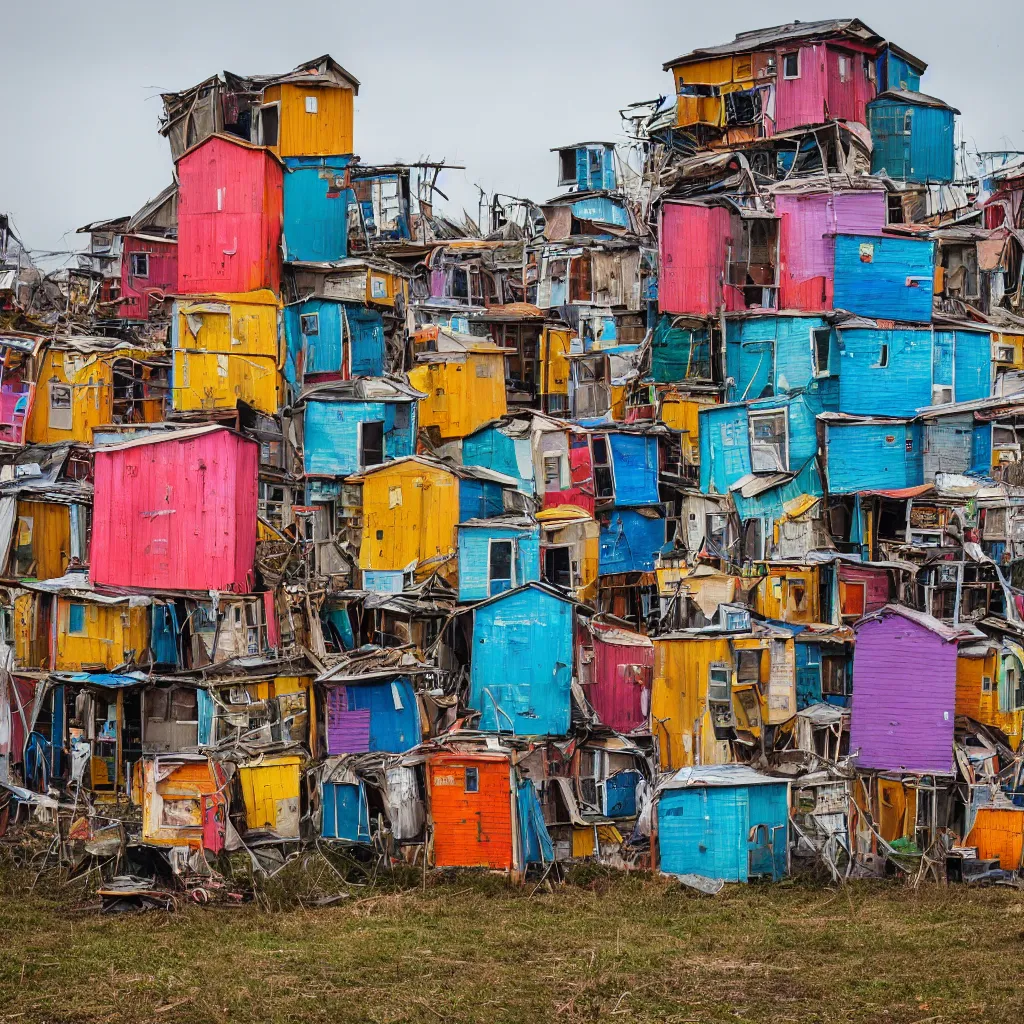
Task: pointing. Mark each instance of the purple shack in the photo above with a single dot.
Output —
(904, 691)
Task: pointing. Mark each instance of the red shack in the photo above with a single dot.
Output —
(176, 511)
(618, 683)
(230, 208)
(149, 267)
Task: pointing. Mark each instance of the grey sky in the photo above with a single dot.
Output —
(487, 86)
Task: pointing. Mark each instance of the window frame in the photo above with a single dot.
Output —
(309, 318)
(82, 629)
(363, 464)
(753, 416)
(471, 772)
(795, 54)
(491, 542)
(719, 667)
(132, 264)
(260, 133)
(815, 355)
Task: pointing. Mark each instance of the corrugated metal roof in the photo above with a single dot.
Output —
(720, 775)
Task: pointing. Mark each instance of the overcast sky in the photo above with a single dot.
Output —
(490, 86)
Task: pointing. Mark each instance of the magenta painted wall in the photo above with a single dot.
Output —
(621, 702)
(176, 514)
(904, 694)
(807, 230)
(694, 240)
(847, 94)
(162, 277)
(229, 218)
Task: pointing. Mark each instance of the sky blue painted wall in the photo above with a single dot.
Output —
(926, 154)
(901, 387)
(635, 462)
(490, 448)
(315, 212)
(871, 276)
(629, 542)
(601, 177)
(392, 730)
(345, 814)
(324, 350)
(331, 434)
(770, 355)
(895, 73)
(523, 662)
(474, 558)
(874, 456)
(973, 365)
(480, 499)
(703, 830)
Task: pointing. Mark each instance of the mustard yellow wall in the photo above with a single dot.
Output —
(679, 710)
(266, 786)
(973, 702)
(682, 413)
(31, 643)
(783, 706)
(51, 537)
(461, 395)
(388, 287)
(91, 378)
(328, 132)
(415, 508)
(1017, 341)
(618, 408)
(554, 352)
(282, 685)
(112, 632)
(728, 73)
(240, 323)
(772, 595)
(183, 790)
(214, 381)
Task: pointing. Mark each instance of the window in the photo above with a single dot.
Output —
(604, 485)
(852, 599)
(311, 105)
(986, 684)
(843, 68)
(748, 666)
(472, 780)
(719, 683)
(567, 167)
(894, 208)
(595, 159)
(371, 443)
(270, 116)
(769, 442)
(791, 65)
(139, 264)
(500, 566)
(552, 472)
(76, 619)
(60, 406)
(908, 122)
(833, 676)
(883, 356)
(309, 323)
(558, 567)
(822, 347)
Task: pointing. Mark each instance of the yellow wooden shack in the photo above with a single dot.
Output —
(984, 671)
(410, 511)
(226, 350)
(98, 637)
(85, 383)
(42, 543)
(570, 549)
(787, 593)
(270, 790)
(463, 378)
(555, 345)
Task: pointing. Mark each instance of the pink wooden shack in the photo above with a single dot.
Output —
(176, 511)
(149, 268)
(809, 224)
(229, 217)
(821, 82)
(694, 240)
(621, 668)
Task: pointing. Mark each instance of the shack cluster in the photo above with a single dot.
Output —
(676, 522)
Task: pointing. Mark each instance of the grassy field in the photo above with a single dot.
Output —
(617, 949)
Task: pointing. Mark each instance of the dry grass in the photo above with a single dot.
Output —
(619, 950)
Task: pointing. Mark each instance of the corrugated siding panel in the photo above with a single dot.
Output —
(461, 396)
(693, 241)
(229, 219)
(177, 515)
(801, 101)
(848, 93)
(203, 380)
(376, 717)
(162, 275)
(620, 701)
(703, 831)
(635, 462)
(899, 388)
(471, 829)
(523, 663)
(724, 448)
(870, 456)
(948, 445)
(926, 154)
(998, 832)
(890, 278)
(474, 553)
(327, 132)
(315, 211)
(973, 364)
(904, 697)
(492, 449)
(331, 434)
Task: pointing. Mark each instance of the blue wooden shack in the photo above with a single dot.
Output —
(896, 69)
(871, 454)
(889, 277)
(500, 447)
(962, 363)
(481, 492)
(349, 426)
(625, 467)
(913, 137)
(496, 555)
(768, 355)
(587, 166)
(680, 351)
(326, 339)
(316, 201)
(723, 821)
(630, 540)
(522, 664)
(371, 711)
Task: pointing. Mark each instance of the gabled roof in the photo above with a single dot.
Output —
(926, 621)
(917, 99)
(720, 775)
(187, 434)
(235, 141)
(544, 588)
(361, 389)
(794, 31)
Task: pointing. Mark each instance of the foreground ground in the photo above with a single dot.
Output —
(615, 949)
